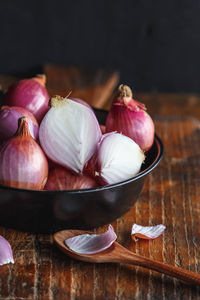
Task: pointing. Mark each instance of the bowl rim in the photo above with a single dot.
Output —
(146, 171)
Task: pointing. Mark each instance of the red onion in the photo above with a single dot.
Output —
(62, 179)
(69, 133)
(118, 158)
(30, 94)
(6, 255)
(92, 243)
(9, 117)
(22, 161)
(129, 117)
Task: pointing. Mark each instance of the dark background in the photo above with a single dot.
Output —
(155, 44)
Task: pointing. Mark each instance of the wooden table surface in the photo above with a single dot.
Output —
(170, 196)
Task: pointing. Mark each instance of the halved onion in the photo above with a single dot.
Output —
(69, 133)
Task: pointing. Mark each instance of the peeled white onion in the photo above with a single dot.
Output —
(118, 158)
(69, 133)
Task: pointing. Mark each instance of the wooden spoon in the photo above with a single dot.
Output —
(119, 254)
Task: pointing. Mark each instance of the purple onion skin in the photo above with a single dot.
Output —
(6, 255)
(9, 117)
(137, 125)
(30, 94)
(92, 244)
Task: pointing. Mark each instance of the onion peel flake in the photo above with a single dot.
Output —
(92, 243)
(146, 232)
(6, 254)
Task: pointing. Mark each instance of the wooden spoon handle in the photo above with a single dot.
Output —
(188, 276)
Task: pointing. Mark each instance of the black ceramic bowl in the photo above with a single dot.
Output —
(50, 211)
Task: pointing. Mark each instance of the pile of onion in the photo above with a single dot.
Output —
(73, 152)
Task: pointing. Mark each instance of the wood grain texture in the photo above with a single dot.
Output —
(6, 81)
(95, 86)
(170, 196)
(171, 104)
(168, 104)
(90, 87)
(121, 255)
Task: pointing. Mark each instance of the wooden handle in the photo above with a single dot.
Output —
(188, 276)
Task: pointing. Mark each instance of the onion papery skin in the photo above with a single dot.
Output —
(137, 125)
(22, 162)
(9, 116)
(62, 179)
(30, 94)
(69, 134)
(92, 243)
(147, 232)
(6, 254)
(118, 158)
